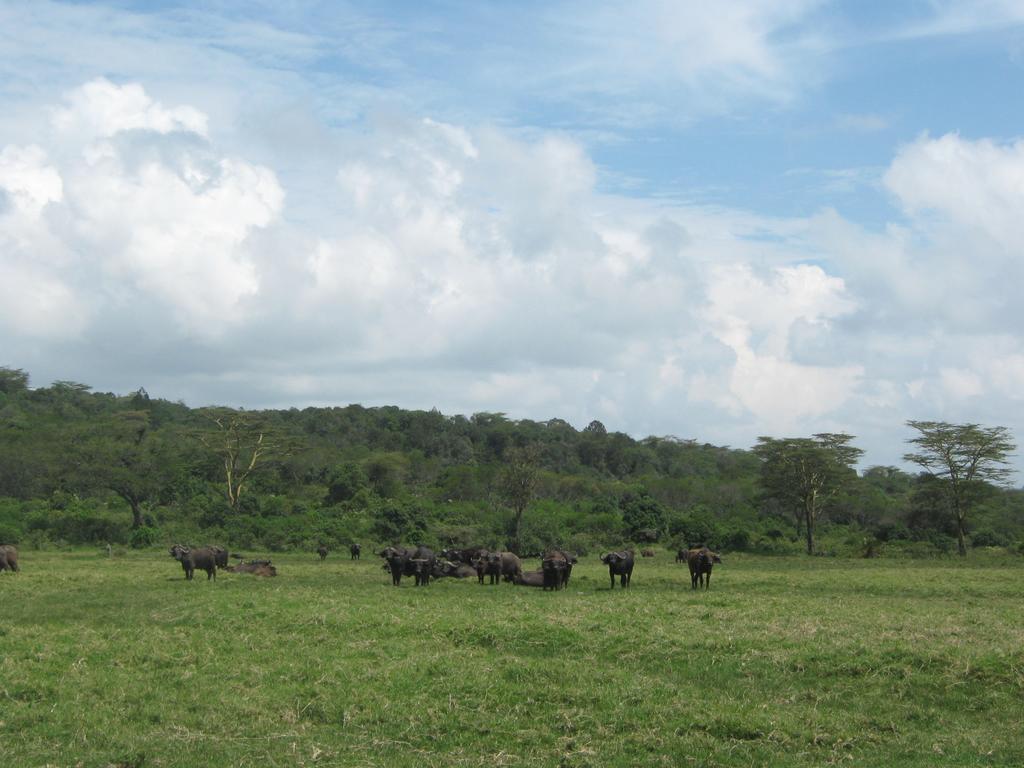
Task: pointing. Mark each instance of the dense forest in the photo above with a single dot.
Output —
(84, 467)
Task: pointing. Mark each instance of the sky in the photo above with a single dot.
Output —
(709, 220)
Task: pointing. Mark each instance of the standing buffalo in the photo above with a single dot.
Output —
(354, 551)
(701, 561)
(405, 561)
(220, 556)
(9, 558)
(323, 552)
(203, 558)
(557, 565)
(502, 565)
(619, 564)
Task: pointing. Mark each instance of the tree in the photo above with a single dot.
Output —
(243, 445)
(12, 380)
(965, 457)
(518, 484)
(642, 514)
(805, 473)
(122, 454)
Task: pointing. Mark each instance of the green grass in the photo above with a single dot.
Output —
(788, 662)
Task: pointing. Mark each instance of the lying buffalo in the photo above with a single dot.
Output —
(255, 567)
(701, 561)
(201, 558)
(467, 555)
(446, 568)
(9, 558)
(531, 579)
(619, 564)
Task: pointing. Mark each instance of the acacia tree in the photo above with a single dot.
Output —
(243, 445)
(518, 484)
(124, 455)
(964, 457)
(805, 473)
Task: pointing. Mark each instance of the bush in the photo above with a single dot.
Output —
(986, 537)
(143, 537)
(736, 540)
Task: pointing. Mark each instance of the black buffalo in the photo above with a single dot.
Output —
(408, 561)
(619, 564)
(558, 563)
(531, 579)
(354, 551)
(200, 558)
(467, 555)
(446, 568)
(701, 562)
(501, 565)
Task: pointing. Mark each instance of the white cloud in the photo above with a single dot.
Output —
(100, 109)
(755, 318)
(976, 185)
(28, 180)
(131, 218)
(959, 383)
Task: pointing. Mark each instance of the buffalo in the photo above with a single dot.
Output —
(557, 566)
(422, 569)
(619, 564)
(9, 558)
(402, 561)
(467, 555)
(354, 551)
(501, 565)
(220, 556)
(255, 567)
(701, 561)
(322, 551)
(646, 553)
(202, 558)
(445, 568)
(531, 579)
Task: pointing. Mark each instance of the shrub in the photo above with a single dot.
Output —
(143, 537)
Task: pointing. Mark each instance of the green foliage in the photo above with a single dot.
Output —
(87, 467)
(642, 513)
(143, 537)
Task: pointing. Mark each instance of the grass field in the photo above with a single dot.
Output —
(785, 662)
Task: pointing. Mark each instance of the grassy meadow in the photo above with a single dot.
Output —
(785, 661)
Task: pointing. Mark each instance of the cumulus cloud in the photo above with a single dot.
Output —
(974, 185)
(99, 109)
(136, 207)
(472, 268)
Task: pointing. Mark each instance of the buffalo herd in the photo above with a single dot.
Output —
(493, 567)
(423, 565)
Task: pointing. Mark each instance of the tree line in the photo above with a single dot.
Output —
(78, 466)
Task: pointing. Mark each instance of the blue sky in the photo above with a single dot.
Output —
(717, 221)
